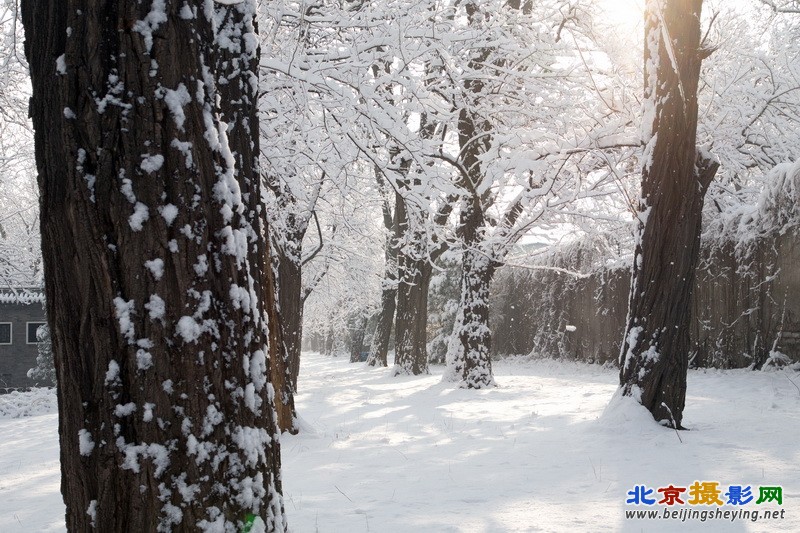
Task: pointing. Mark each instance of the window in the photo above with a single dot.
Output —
(32, 328)
(5, 332)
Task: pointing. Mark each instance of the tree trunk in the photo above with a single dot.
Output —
(379, 349)
(675, 177)
(290, 303)
(411, 354)
(469, 359)
(358, 330)
(329, 341)
(159, 297)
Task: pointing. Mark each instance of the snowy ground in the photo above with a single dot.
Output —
(537, 453)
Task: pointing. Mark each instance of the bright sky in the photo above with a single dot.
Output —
(626, 14)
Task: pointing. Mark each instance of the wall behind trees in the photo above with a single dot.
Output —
(746, 304)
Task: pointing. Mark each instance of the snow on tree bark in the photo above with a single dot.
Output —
(675, 176)
(469, 357)
(411, 355)
(159, 297)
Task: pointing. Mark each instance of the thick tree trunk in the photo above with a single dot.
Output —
(411, 354)
(280, 365)
(158, 292)
(379, 349)
(469, 358)
(675, 177)
(290, 300)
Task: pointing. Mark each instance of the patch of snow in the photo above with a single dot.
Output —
(176, 99)
(141, 214)
(151, 163)
(151, 22)
(124, 310)
(169, 213)
(156, 267)
(156, 307)
(61, 65)
(85, 442)
(189, 329)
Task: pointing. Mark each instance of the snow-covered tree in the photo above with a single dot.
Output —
(44, 372)
(159, 292)
(675, 178)
(20, 263)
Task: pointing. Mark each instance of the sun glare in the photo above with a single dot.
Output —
(625, 15)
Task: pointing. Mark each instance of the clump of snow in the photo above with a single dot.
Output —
(186, 12)
(122, 410)
(201, 267)
(132, 452)
(85, 442)
(112, 374)
(144, 359)
(189, 329)
(156, 307)
(147, 416)
(156, 267)
(632, 341)
(151, 163)
(151, 22)
(61, 65)
(141, 214)
(92, 512)
(127, 187)
(169, 213)
(176, 99)
(240, 297)
(124, 311)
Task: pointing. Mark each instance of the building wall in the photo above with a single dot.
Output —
(18, 357)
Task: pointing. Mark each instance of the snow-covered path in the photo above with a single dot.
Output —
(415, 454)
(384, 454)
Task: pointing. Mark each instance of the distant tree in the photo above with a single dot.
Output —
(379, 345)
(44, 372)
(20, 257)
(160, 299)
(675, 177)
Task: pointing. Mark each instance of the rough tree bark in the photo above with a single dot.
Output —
(288, 338)
(411, 320)
(290, 299)
(379, 348)
(469, 355)
(159, 296)
(675, 177)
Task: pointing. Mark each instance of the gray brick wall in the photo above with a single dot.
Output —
(18, 357)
